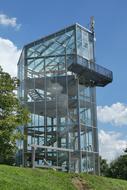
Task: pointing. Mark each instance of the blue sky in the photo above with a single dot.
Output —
(35, 19)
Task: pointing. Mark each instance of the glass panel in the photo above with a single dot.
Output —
(84, 44)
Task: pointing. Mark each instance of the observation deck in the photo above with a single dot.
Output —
(88, 72)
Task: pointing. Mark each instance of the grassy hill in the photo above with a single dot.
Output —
(14, 178)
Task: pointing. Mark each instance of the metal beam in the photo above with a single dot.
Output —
(52, 148)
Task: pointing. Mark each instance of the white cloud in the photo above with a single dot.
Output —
(9, 55)
(6, 21)
(111, 144)
(116, 114)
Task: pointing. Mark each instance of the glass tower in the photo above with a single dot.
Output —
(58, 78)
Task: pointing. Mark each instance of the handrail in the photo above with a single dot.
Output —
(95, 67)
(89, 64)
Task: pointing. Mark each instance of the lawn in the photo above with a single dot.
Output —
(14, 178)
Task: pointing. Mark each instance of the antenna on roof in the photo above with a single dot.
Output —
(92, 23)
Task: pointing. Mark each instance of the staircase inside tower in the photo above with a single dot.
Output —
(88, 74)
(53, 136)
(35, 95)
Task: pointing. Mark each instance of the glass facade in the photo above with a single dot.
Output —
(58, 78)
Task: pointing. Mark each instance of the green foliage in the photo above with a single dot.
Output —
(13, 178)
(118, 168)
(12, 114)
(125, 150)
(103, 167)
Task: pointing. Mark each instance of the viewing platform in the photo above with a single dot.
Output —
(88, 72)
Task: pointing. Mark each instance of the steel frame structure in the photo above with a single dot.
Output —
(58, 78)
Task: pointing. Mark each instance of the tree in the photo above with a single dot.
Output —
(103, 167)
(118, 168)
(12, 115)
(125, 150)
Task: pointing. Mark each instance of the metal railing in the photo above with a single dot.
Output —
(76, 59)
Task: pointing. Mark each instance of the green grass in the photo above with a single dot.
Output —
(104, 183)
(14, 178)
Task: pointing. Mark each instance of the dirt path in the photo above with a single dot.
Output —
(79, 184)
